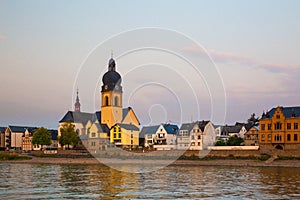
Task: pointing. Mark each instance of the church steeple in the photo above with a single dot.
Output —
(77, 103)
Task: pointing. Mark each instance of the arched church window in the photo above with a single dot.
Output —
(116, 101)
(106, 100)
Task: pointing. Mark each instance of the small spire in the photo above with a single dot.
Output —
(77, 103)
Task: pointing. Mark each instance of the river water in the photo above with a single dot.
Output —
(44, 181)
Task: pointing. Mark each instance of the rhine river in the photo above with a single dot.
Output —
(44, 181)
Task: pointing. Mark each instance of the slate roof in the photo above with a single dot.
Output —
(171, 128)
(125, 111)
(202, 124)
(187, 126)
(2, 129)
(231, 129)
(129, 127)
(287, 111)
(246, 125)
(22, 129)
(78, 117)
(148, 130)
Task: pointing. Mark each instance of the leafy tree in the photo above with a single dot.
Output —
(220, 143)
(68, 135)
(234, 141)
(253, 120)
(41, 137)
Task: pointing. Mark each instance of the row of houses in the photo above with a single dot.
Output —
(20, 138)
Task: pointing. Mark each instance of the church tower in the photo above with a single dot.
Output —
(77, 104)
(111, 96)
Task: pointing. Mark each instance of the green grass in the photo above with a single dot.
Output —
(13, 156)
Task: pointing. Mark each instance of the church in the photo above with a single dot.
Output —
(113, 124)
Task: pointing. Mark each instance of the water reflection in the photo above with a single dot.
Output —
(26, 181)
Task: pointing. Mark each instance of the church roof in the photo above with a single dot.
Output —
(128, 127)
(78, 117)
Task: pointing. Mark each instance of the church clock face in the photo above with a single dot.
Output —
(117, 87)
(105, 87)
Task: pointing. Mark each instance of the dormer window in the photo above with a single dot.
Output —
(277, 116)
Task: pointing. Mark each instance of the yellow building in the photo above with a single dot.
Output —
(279, 129)
(124, 135)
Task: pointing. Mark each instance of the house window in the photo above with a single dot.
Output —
(115, 129)
(93, 134)
(199, 137)
(199, 144)
(277, 137)
(93, 143)
(269, 126)
(263, 127)
(288, 126)
(193, 137)
(131, 135)
(119, 135)
(106, 100)
(277, 126)
(288, 137)
(263, 137)
(269, 137)
(116, 101)
(277, 116)
(295, 126)
(295, 137)
(115, 135)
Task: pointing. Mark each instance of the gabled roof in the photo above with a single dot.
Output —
(246, 125)
(102, 128)
(171, 128)
(148, 130)
(21, 129)
(128, 126)
(187, 126)
(78, 117)
(287, 111)
(231, 128)
(202, 124)
(2, 129)
(125, 112)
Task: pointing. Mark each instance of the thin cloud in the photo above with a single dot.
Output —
(228, 57)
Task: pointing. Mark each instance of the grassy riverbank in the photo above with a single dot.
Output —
(13, 156)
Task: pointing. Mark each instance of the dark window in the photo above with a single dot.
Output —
(119, 135)
(115, 129)
(263, 127)
(199, 137)
(277, 126)
(288, 137)
(131, 135)
(277, 116)
(106, 100)
(269, 126)
(269, 137)
(277, 137)
(295, 126)
(288, 126)
(115, 135)
(295, 137)
(263, 137)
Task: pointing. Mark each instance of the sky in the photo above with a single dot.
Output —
(254, 47)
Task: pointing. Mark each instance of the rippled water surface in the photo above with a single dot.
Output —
(33, 181)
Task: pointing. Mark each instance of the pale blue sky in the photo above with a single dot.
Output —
(255, 44)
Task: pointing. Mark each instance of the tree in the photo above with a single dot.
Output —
(68, 135)
(253, 120)
(220, 143)
(234, 141)
(41, 137)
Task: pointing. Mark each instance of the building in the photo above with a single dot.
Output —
(196, 135)
(2, 138)
(126, 135)
(279, 129)
(14, 136)
(102, 121)
(27, 139)
(160, 137)
(251, 136)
